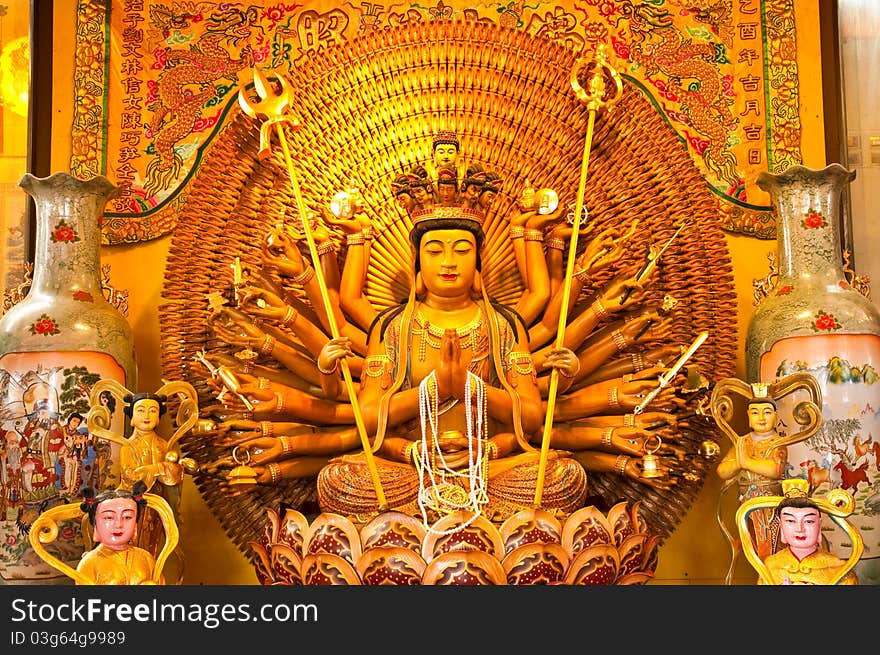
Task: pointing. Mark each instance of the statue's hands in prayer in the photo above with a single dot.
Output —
(451, 373)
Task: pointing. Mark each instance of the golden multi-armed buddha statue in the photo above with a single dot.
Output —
(380, 330)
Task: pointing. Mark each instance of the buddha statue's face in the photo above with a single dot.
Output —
(448, 262)
(762, 417)
(487, 197)
(115, 521)
(405, 201)
(145, 414)
(445, 155)
(420, 195)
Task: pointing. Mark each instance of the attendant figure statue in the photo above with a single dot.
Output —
(799, 557)
(758, 459)
(145, 455)
(113, 518)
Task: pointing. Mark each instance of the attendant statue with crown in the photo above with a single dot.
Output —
(798, 556)
(757, 462)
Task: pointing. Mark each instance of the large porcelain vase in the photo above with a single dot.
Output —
(813, 321)
(54, 345)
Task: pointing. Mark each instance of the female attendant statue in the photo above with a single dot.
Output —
(145, 455)
(113, 516)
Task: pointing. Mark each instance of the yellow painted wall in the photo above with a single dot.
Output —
(696, 553)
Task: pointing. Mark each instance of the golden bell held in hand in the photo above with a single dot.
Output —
(650, 461)
(243, 477)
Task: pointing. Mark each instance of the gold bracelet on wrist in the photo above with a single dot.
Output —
(638, 362)
(491, 450)
(555, 243)
(599, 309)
(582, 276)
(620, 464)
(619, 340)
(285, 444)
(325, 247)
(607, 433)
(262, 383)
(274, 471)
(290, 317)
(267, 346)
(304, 277)
(279, 402)
(356, 239)
(629, 420)
(516, 232)
(533, 235)
(267, 428)
(327, 371)
(613, 397)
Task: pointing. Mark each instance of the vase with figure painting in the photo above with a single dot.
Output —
(814, 321)
(60, 339)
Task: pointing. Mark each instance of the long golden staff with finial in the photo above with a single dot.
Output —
(276, 107)
(597, 96)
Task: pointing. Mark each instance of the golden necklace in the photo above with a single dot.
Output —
(469, 335)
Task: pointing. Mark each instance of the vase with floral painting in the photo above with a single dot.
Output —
(813, 321)
(55, 343)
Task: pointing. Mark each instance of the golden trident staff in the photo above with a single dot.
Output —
(595, 98)
(276, 106)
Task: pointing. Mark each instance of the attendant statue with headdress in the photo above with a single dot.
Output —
(113, 516)
(145, 455)
(799, 556)
(758, 459)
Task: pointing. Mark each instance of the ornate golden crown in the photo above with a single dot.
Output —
(445, 202)
(439, 212)
(759, 389)
(795, 487)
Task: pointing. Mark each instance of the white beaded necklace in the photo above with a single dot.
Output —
(437, 489)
